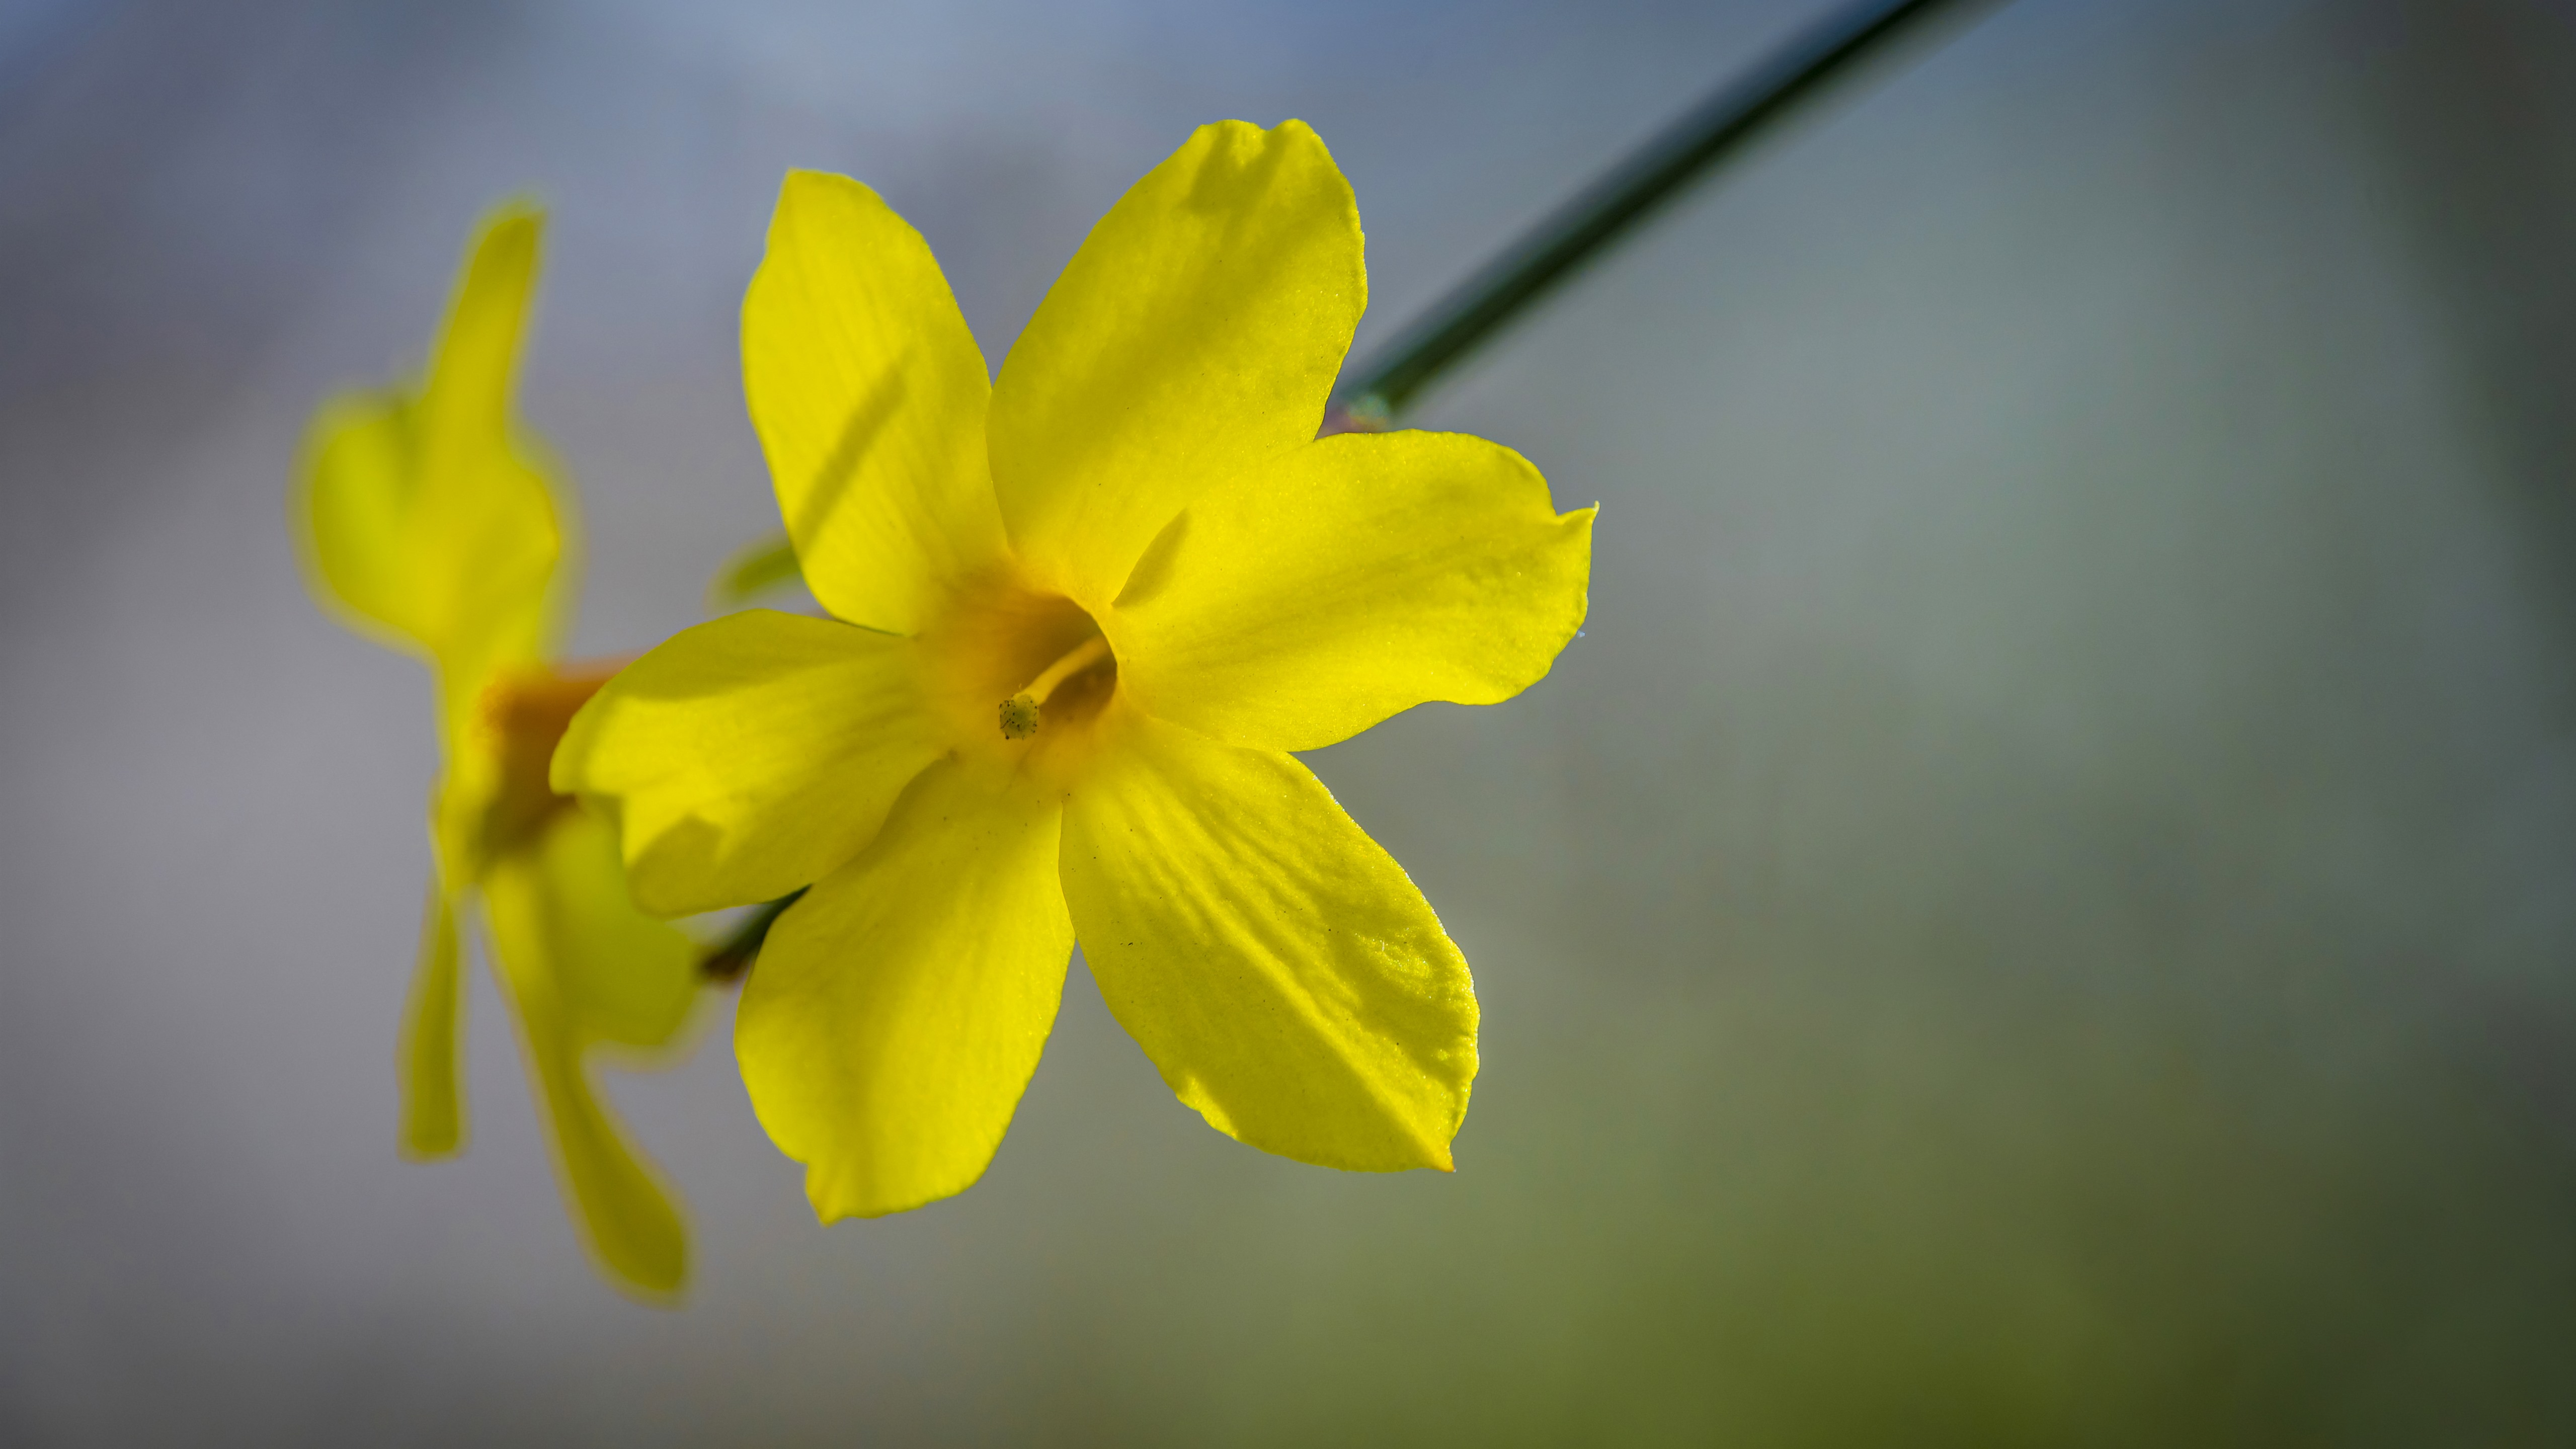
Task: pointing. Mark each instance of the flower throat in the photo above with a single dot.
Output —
(1087, 666)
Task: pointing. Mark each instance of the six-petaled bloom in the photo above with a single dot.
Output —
(426, 525)
(1080, 615)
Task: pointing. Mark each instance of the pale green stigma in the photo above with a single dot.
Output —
(1022, 712)
(1019, 717)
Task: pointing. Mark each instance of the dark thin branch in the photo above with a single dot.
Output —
(1721, 126)
(728, 959)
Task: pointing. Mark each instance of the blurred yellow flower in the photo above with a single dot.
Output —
(1080, 616)
(426, 524)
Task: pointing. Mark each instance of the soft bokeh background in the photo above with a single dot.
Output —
(2039, 912)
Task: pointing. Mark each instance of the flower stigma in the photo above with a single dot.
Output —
(1023, 712)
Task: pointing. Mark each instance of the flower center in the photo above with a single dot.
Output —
(521, 716)
(1017, 674)
(1081, 667)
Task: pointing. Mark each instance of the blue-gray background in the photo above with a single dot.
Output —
(2039, 912)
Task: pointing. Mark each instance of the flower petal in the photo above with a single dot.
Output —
(627, 1219)
(582, 966)
(897, 1011)
(624, 978)
(869, 396)
(433, 1107)
(1195, 334)
(420, 516)
(750, 755)
(1284, 975)
(465, 403)
(1359, 576)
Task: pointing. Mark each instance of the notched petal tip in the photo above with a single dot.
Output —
(835, 1198)
(1382, 1147)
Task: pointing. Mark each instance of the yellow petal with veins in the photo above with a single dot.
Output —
(869, 394)
(1195, 335)
(898, 1010)
(1359, 576)
(1284, 976)
(750, 755)
(583, 967)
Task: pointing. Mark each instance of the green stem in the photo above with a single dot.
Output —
(1718, 127)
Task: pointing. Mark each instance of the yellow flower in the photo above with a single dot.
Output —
(425, 524)
(1080, 616)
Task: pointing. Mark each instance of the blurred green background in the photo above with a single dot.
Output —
(2039, 912)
